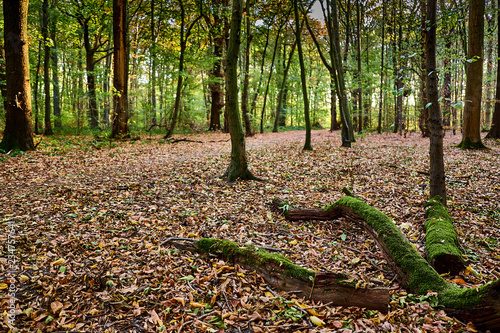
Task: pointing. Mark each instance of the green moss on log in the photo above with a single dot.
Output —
(421, 276)
(251, 256)
(441, 240)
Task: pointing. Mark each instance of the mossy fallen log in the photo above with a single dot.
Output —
(480, 305)
(441, 240)
(280, 273)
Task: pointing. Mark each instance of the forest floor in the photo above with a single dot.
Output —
(90, 217)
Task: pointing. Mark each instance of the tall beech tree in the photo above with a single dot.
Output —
(238, 167)
(307, 143)
(120, 70)
(471, 134)
(437, 179)
(46, 65)
(495, 123)
(18, 133)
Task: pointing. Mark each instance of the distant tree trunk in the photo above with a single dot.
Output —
(246, 81)
(269, 80)
(152, 79)
(471, 135)
(281, 108)
(382, 71)
(307, 144)
(238, 167)
(360, 83)
(437, 177)
(37, 79)
(398, 70)
(120, 70)
(333, 106)
(261, 75)
(495, 124)
(423, 119)
(18, 133)
(489, 72)
(55, 76)
(91, 86)
(105, 88)
(46, 65)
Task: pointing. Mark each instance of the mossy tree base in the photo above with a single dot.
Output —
(468, 144)
(280, 273)
(479, 305)
(441, 240)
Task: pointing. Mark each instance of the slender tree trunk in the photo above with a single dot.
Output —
(106, 109)
(152, 79)
(120, 70)
(55, 76)
(91, 86)
(307, 144)
(423, 119)
(360, 83)
(471, 135)
(246, 81)
(495, 124)
(37, 80)
(333, 106)
(398, 122)
(437, 177)
(281, 109)
(261, 75)
(488, 87)
(18, 132)
(46, 66)
(382, 71)
(238, 167)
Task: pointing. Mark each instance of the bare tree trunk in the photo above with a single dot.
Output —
(307, 144)
(18, 133)
(437, 177)
(423, 119)
(495, 124)
(120, 68)
(238, 167)
(246, 81)
(382, 71)
(46, 66)
(471, 135)
(55, 75)
(283, 91)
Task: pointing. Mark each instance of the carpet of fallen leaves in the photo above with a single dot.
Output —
(90, 216)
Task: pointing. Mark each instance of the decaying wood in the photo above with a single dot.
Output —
(323, 287)
(479, 305)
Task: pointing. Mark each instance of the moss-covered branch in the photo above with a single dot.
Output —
(282, 274)
(479, 305)
(441, 240)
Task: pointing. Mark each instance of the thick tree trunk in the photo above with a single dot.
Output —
(436, 167)
(382, 71)
(120, 99)
(423, 119)
(238, 167)
(481, 305)
(18, 133)
(471, 135)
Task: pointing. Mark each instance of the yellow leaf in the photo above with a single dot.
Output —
(313, 312)
(179, 300)
(23, 278)
(94, 266)
(193, 235)
(197, 304)
(240, 274)
(59, 261)
(316, 321)
(4, 286)
(294, 242)
(268, 294)
(68, 326)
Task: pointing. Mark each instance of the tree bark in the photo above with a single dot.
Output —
(382, 48)
(238, 167)
(471, 135)
(282, 274)
(423, 119)
(481, 305)
(281, 108)
(120, 70)
(495, 123)
(437, 177)
(246, 81)
(46, 66)
(56, 94)
(307, 143)
(18, 133)
(441, 240)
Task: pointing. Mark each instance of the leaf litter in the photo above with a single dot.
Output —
(90, 220)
